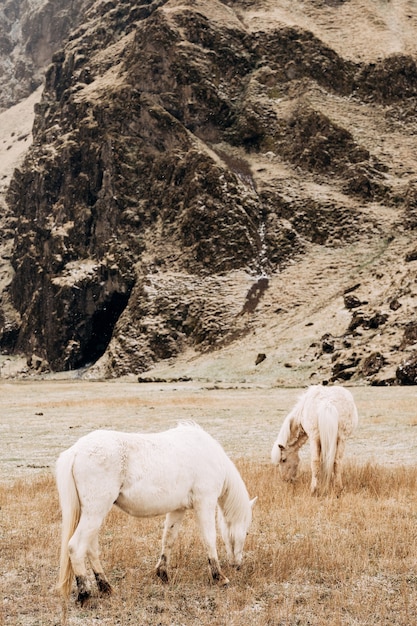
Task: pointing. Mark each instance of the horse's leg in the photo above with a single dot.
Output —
(206, 517)
(315, 449)
(77, 549)
(171, 528)
(93, 554)
(79, 546)
(340, 450)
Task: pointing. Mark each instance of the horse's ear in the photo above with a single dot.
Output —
(253, 501)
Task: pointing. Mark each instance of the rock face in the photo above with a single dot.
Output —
(31, 31)
(180, 155)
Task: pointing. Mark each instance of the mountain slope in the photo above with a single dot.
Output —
(213, 181)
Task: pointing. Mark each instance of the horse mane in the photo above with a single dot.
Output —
(291, 429)
(235, 496)
(188, 424)
(284, 432)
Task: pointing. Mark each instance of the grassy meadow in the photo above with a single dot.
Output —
(319, 561)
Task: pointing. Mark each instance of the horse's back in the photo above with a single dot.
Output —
(185, 442)
(342, 401)
(318, 398)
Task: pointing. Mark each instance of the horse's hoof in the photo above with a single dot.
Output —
(105, 589)
(83, 588)
(83, 597)
(217, 578)
(163, 575)
(103, 585)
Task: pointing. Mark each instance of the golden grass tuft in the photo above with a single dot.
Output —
(330, 561)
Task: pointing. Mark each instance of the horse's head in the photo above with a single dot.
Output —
(285, 449)
(234, 534)
(288, 462)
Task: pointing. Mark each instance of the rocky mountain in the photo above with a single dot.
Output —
(221, 190)
(30, 32)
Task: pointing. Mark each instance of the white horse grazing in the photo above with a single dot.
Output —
(326, 416)
(147, 475)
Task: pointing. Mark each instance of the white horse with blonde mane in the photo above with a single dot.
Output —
(326, 416)
(148, 475)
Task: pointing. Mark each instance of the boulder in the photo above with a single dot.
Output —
(406, 373)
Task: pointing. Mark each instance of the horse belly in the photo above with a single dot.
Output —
(149, 501)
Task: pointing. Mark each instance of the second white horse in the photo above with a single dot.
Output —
(326, 416)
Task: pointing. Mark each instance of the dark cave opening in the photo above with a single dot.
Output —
(102, 325)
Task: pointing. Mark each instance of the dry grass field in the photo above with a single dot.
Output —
(345, 561)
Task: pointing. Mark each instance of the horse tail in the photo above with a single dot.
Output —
(71, 511)
(328, 424)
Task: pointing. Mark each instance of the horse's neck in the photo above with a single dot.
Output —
(299, 439)
(297, 435)
(235, 498)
